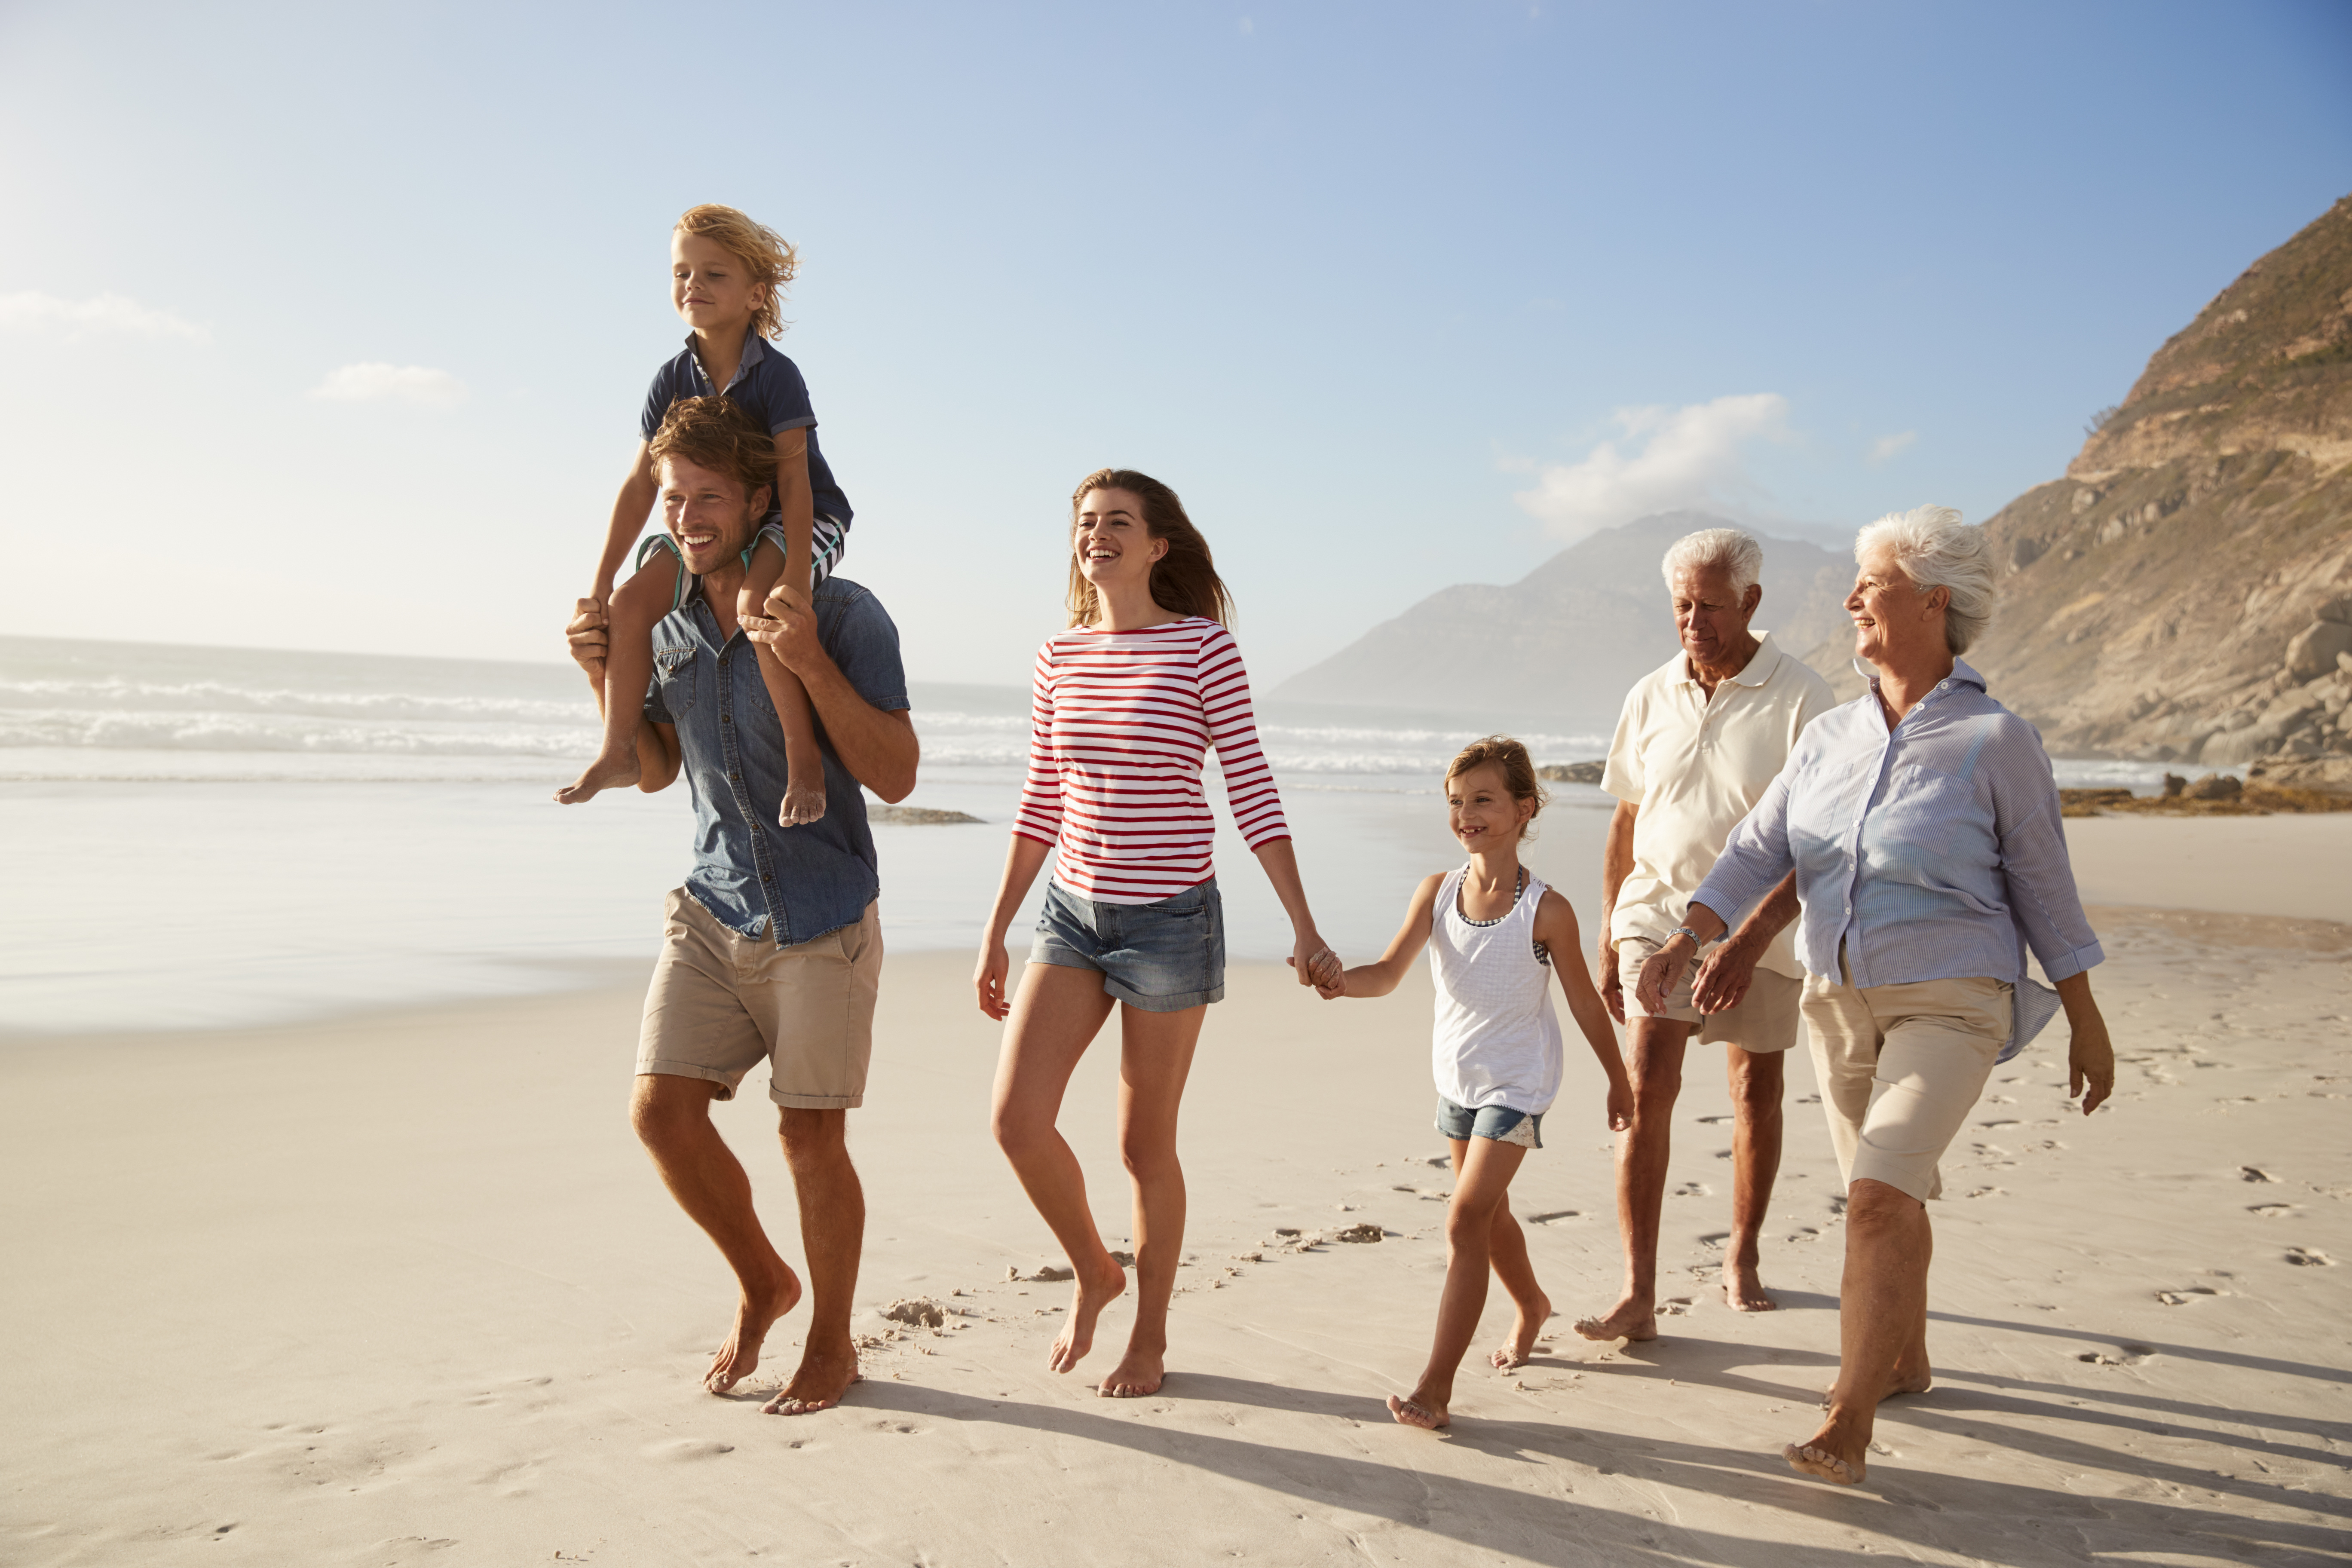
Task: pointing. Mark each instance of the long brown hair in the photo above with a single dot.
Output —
(1184, 579)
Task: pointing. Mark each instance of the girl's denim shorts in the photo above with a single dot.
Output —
(1160, 958)
(1500, 1122)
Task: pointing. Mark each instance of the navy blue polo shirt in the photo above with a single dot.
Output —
(768, 387)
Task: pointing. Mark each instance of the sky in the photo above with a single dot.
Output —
(327, 327)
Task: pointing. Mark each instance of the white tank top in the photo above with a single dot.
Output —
(1496, 1040)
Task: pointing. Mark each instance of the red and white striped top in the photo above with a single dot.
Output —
(1120, 727)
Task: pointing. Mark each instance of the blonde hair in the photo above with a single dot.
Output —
(1519, 773)
(1184, 579)
(1936, 550)
(770, 260)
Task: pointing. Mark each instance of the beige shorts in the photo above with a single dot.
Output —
(722, 1002)
(1764, 1022)
(1900, 1068)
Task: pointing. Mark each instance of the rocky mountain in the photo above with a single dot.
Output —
(1566, 641)
(2185, 592)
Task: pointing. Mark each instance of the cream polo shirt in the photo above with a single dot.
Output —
(1695, 766)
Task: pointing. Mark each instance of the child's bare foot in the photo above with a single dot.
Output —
(818, 1384)
(611, 770)
(1094, 1292)
(803, 800)
(739, 1356)
(1139, 1371)
(1743, 1290)
(1421, 1411)
(1526, 1330)
(1635, 1318)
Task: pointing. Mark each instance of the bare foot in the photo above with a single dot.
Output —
(1810, 1460)
(1421, 1411)
(1835, 1452)
(1631, 1319)
(1898, 1382)
(739, 1356)
(609, 770)
(1140, 1372)
(1089, 1296)
(803, 801)
(1743, 1291)
(1526, 1330)
(818, 1384)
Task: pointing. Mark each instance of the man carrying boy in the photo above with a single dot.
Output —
(771, 952)
(1698, 744)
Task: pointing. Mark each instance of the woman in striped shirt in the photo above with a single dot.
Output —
(1128, 700)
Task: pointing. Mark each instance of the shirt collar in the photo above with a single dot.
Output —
(1964, 674)
(1758, 670)
(754, 351)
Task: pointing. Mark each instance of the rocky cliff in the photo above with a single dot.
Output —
(1568, 639)
(2185, 592)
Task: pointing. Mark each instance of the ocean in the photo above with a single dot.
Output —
(199, 838)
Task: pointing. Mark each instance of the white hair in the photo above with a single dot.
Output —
(1730, 548)
(1936, 550)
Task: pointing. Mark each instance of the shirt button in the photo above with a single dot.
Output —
(726, 719)
(735, 778)
(766, 877)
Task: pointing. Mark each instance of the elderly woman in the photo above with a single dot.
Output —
(1922, 822)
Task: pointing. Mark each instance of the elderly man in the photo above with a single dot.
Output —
(1696, 746)
(770, 951)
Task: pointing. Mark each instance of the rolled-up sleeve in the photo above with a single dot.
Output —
(2028, 820)
(1756, 857)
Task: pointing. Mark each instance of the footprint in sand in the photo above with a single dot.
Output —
(2254, 1174)
(1693, 1190)
(1553, 1217)
(685, 1449)
(2309, 1257)
(1713, 1120)
(2185, 1295)
(1676, 1307)
(2272, 1211)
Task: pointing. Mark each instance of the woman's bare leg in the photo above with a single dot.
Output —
(1482, 1183)
(1155, 1059)
(1882, 1324)
(1056, 1014)
(803, 764)
(637, 605)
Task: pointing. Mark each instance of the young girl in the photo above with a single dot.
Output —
(727, 278)
(1492, 930)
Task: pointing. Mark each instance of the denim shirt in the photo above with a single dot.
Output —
(757, 878)
(1932, 851)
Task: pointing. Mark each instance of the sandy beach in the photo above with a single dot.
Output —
(400, 1288)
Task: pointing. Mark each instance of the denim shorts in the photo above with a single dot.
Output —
(1160, 958)
(1499, 1123)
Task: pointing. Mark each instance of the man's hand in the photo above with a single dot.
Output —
(1662, 974)
(1610, 983)
(2090, 1061)
(789, 629)
(586, 635)
(1723, 979)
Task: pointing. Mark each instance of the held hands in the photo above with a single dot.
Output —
(1318, 966)
(587, 637)
(1662, 974)
(1723, 979)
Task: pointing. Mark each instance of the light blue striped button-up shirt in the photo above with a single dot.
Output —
(1933, 851)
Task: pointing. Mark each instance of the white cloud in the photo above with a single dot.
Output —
(1886, 447)
(100, 313)
(395, 382)
(1668, 458)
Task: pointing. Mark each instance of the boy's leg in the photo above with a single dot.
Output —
(833, 1236)
(672, 1118)
(1483, 1168)
(637, 605)
(803, 764)
(1507, 1252)
(1653, 1061)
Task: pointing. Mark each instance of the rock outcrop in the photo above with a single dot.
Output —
(2186, 590)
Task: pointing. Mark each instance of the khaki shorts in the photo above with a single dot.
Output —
(1900, 1069)
(722, 1002)
(1764, 1022)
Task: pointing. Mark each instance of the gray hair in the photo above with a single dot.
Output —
(1936, 550)
(1736, 552)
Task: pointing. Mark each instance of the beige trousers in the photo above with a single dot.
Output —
(1900, 1068)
